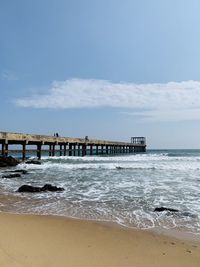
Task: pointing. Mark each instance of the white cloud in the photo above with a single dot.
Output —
(169, 101)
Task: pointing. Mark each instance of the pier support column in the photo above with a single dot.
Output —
(107, 149)
(91, 150)
(3, 149)
(6, 150)
(50, 150)
(97, 149)
(84, 150)
(39, 147)
(53, 150)
(70, 150)
(74, 150)
(23, 151)
(102, 146)
(79, 150)
(65, 149)
(60, 150)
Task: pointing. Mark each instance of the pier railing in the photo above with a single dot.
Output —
(138, 140)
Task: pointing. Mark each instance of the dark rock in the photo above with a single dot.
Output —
(13, 175)
(160, 209)
(8, 161)
(119, 168)
(34, 189)
(29, 189)
(33, 161)
(52, 188)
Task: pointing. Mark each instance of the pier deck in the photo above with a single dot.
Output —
(68, 145)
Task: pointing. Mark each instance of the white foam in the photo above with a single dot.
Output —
(124, 189)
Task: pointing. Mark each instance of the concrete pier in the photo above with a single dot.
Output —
(67, 145)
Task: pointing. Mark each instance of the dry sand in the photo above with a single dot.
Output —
(30, 240)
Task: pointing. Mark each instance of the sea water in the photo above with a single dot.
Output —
(124, 189)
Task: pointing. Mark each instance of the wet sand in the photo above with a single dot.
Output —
(33, 240)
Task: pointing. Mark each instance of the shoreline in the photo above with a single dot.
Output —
(46, 240)
(171, 233)
(160, 230)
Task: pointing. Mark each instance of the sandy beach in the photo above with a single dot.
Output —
(33, 240)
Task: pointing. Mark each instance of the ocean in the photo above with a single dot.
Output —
(123, 189)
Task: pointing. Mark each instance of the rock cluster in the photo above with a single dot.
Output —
(11, 175)
(160, 209)
(35, 189)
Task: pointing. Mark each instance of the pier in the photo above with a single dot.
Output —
(66, 146)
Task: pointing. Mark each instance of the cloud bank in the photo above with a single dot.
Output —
(169, 101)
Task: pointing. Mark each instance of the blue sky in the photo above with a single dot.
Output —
(108, 69)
